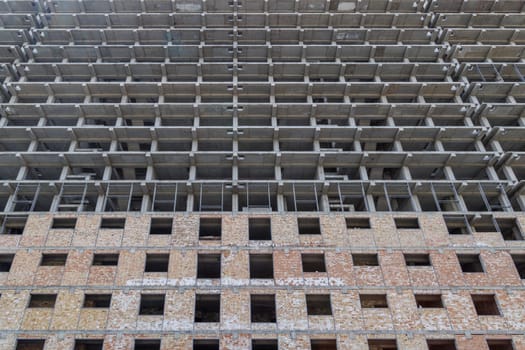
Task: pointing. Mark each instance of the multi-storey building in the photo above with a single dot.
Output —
(262, 174)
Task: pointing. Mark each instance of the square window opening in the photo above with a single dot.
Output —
(262, 308)
(318, 305)
(206, 344)
(309, 226)
(470, 263)
(510, 229)
(261, 266)
(323, 344)
(160, 226)
(89, 344)
(519, 262)
(382, 344)
(64, 223)
(265, 344)
(97, 300)
(112, 223)
(207, 307)
(209, 266)
(260, 229)
(105, 259)
(42, 301)
(358, 223)
(417, 259)
(365, 259)
(441, 344)
(13, 225)
(500, 344)
(6, 260)
(457, 225)
(406, 223)
(157, 263)
(30, 344)
(313, 263)
(372, 301)
(485, 304)
(210, 229)
(147, 344)
(152, 304)
(53, 260)
(428, 300)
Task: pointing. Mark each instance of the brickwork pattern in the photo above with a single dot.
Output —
(352, 326)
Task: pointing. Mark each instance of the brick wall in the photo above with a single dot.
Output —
(350, 324)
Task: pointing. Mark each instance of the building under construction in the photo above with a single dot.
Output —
(262, 174)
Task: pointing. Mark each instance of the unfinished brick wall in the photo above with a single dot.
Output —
(351, 325)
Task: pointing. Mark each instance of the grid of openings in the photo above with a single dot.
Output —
(413, 106)
(264, 307)
(262, 169)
